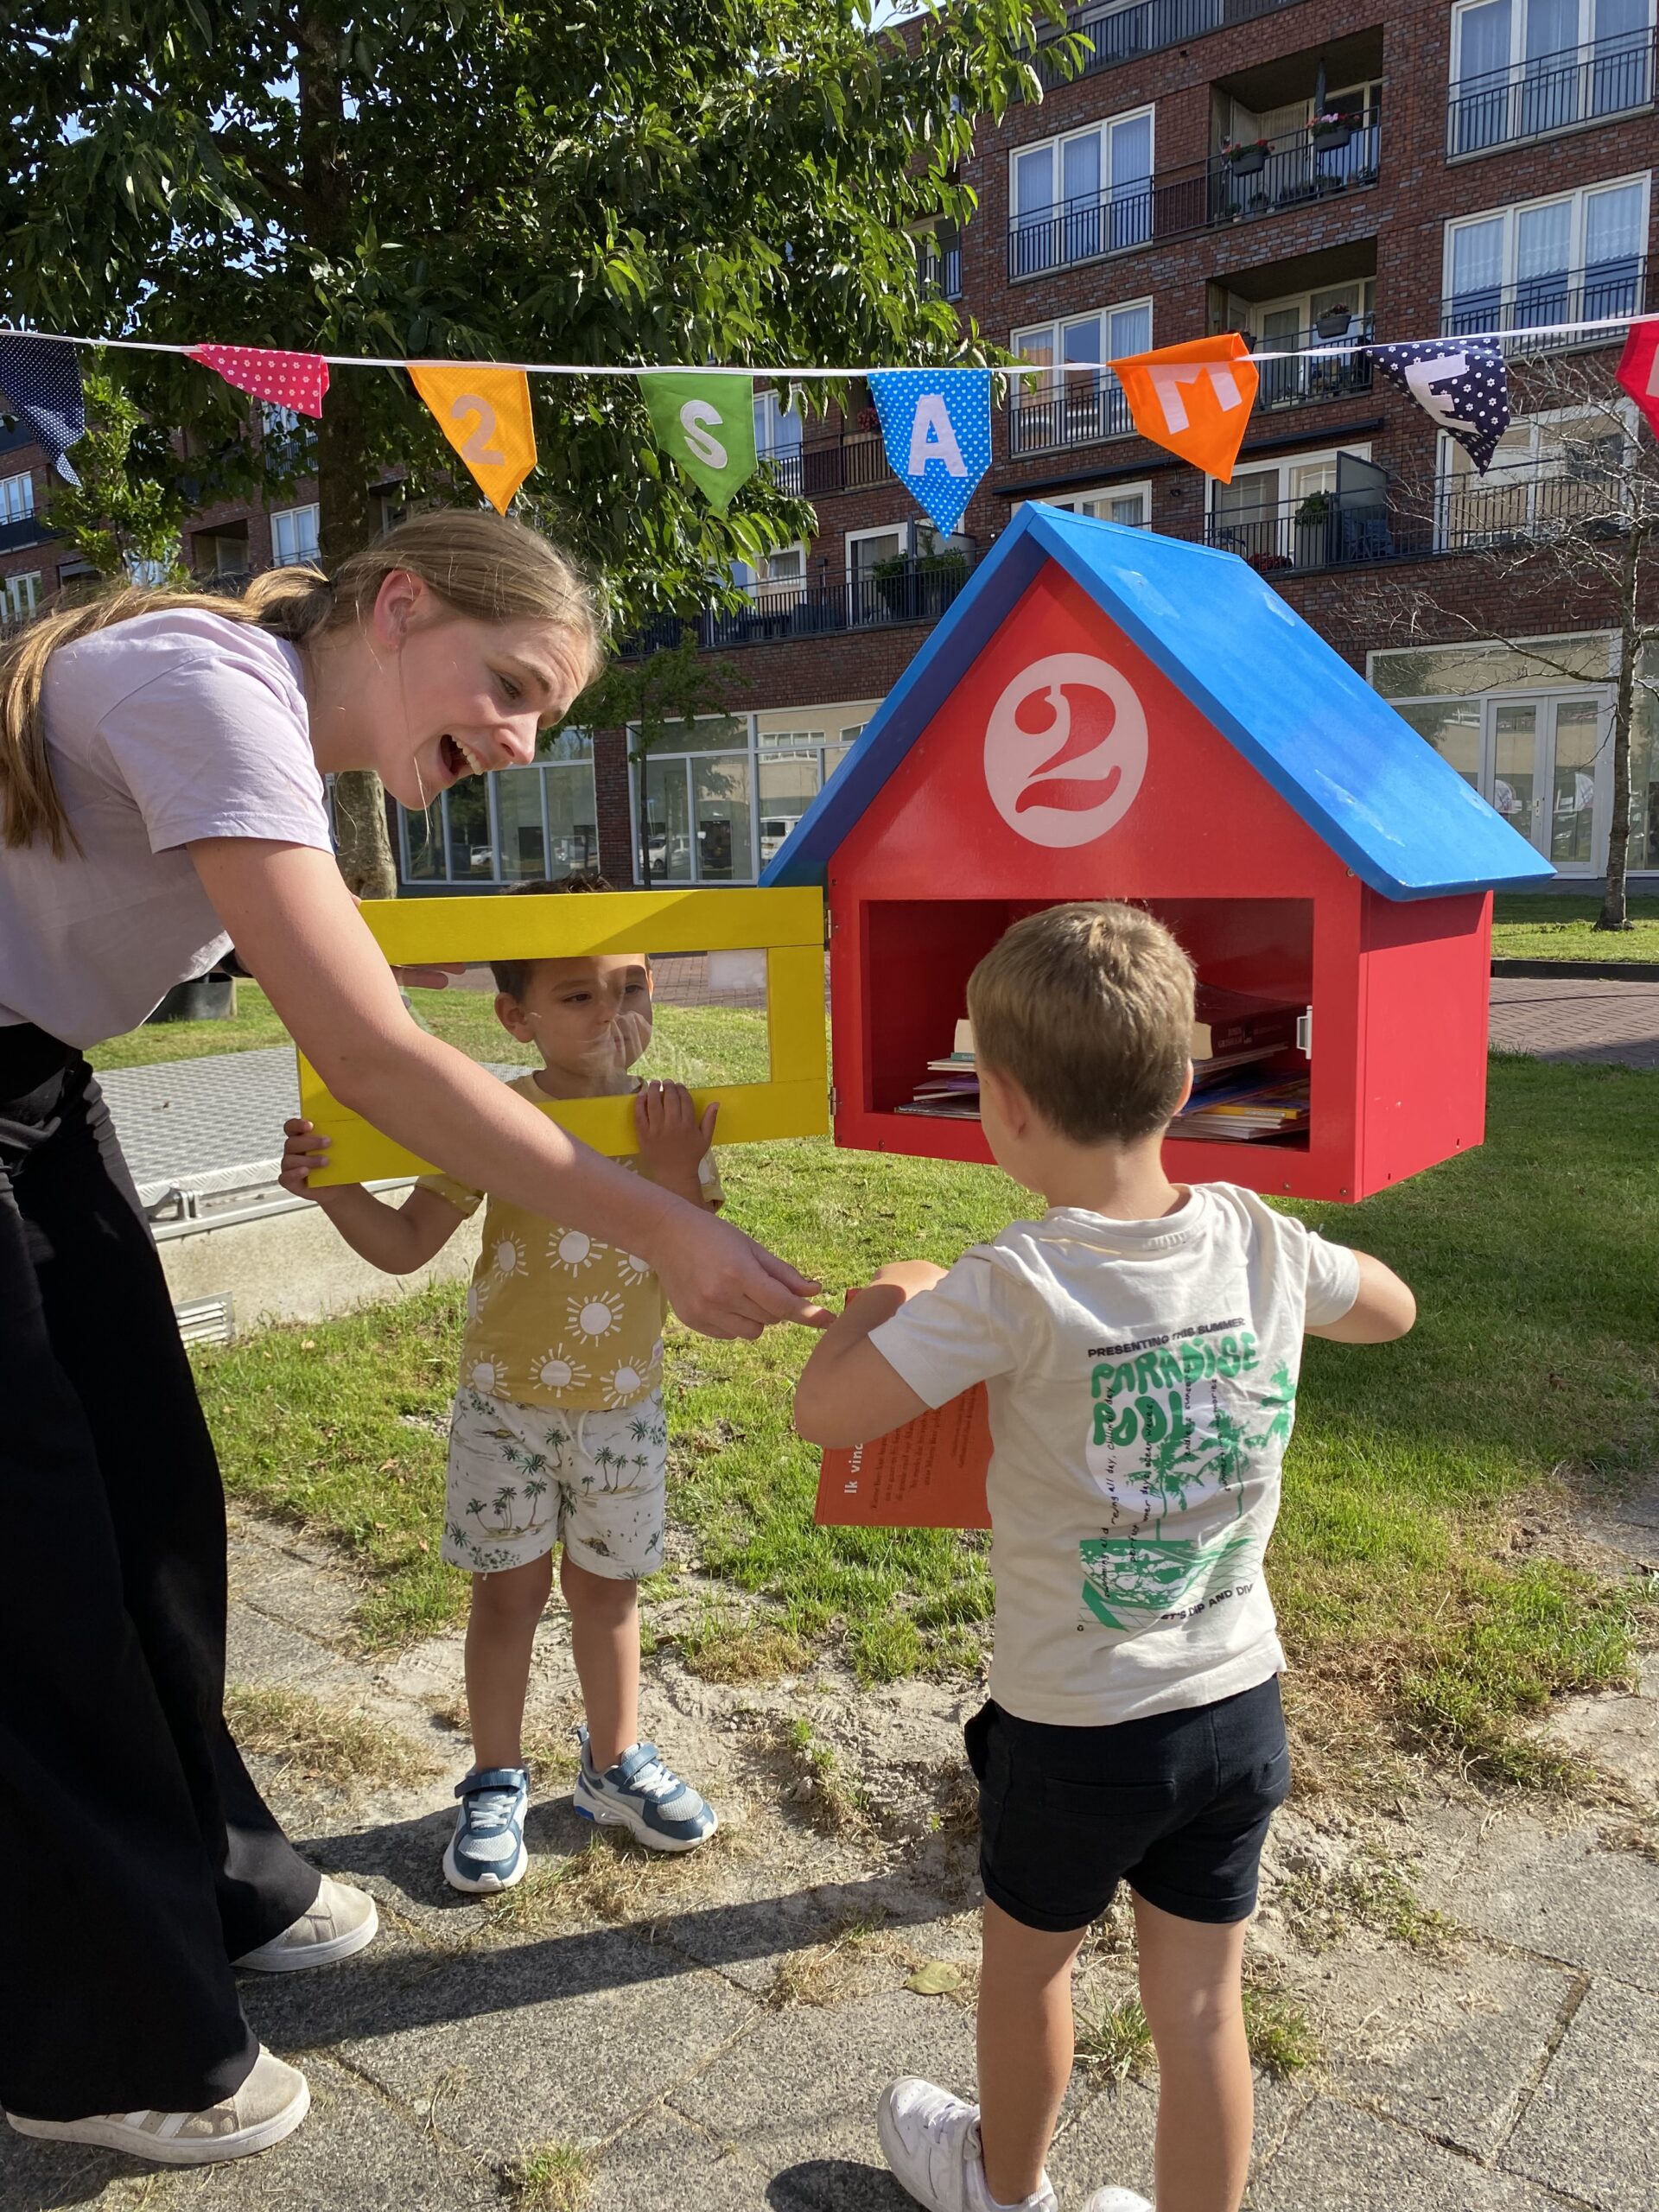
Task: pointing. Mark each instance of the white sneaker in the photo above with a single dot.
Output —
(270, 2105)
(341, 1922)
(1116, 2200)
(930, 2140)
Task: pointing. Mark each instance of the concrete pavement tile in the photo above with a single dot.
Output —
(297, 2014)
(1339, 2160)
(748, 1936)
(801, 2089)
(1616, 1732)
(1563, 1895)
(1450, 2047)
(662, 2160)
(51, 2177)
(1109, 2139)
(568, 2037)
(307, 1586)
(1590, 2130)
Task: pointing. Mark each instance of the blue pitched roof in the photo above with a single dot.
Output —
(1358, 775)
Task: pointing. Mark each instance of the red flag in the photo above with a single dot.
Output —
(295, 380)
(1638, 369)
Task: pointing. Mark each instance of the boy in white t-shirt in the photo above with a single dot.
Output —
(1141, 1344)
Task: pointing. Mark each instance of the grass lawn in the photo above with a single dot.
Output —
(465, 1018)
(1535, 925)
(1405, 1591)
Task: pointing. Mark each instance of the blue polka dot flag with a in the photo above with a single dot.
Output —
(936, 426)
(40, 378)
(1460, 383)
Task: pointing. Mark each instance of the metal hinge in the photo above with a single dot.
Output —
(835, 1102)
(1304, 1033)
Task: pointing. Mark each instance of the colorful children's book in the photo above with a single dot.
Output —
(929, 1474)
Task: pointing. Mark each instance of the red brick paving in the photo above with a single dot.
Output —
(1576, 1019)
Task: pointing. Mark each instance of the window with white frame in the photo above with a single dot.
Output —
(1281, 514)
(22, 593)
(17, 497)
(775, 579)
(1523, 67)
(778, 427)
(1574, 256)
(1086, 194)
(1128, 505)
(293, 535)
(1075, 400)
(1551, 471)
(510, 827)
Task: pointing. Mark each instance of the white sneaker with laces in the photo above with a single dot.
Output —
(270, 2105)
(930, 2140)
(1116, 2200)
(342, 1920)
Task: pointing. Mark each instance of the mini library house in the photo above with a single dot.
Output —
(1106, 714)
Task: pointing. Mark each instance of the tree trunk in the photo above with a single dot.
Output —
(1615, 913)
(366, 859)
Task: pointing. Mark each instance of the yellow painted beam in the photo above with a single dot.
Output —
(788, 926)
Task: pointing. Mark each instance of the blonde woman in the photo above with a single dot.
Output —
(161, 765)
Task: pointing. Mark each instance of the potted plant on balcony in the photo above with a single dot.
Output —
(1334, 322)
(1331, 132)
(1245, 156)
(918, 586)
(1312, 525)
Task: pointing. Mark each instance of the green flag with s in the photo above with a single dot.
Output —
(707, 424)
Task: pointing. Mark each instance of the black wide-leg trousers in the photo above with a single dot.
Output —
(138, 1858)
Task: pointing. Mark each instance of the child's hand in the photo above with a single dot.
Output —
(305, 1149)
(672, 1140)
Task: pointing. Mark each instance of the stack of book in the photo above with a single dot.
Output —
(1236, 1097)
(953, 1085)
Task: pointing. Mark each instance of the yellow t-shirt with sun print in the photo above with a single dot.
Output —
(555, 1318)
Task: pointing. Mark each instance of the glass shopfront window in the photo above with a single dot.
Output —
(510, 828)
(714, 800)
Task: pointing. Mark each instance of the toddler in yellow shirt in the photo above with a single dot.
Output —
(556, 1434)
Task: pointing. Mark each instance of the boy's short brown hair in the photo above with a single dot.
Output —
(1088, 1008)
(511, 975)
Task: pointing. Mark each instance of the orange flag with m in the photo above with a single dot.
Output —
(1194, 400)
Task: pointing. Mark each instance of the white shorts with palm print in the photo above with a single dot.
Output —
(523, 1478)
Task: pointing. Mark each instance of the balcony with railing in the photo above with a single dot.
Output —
(1551, 92)
(1123, 32)
(1082, 414)
(850, 463)
(914, 590)
(1535, 304)
(1308, 374)
(1264, 177)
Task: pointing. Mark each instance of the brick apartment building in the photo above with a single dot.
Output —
(1490, 170)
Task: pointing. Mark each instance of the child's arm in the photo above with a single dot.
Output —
(398, 1239)
(1385, 1308)
(672, 1140)
(848, 1392)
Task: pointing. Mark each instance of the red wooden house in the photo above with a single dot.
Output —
(1105, 713)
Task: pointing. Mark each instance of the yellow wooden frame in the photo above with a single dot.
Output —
(788, 926)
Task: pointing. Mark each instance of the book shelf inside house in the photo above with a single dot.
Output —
(916, 957)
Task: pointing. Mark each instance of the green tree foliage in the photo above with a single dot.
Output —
(125, 514)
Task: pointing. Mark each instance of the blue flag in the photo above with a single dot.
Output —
(41, 378)
(936, 426)
(1460, 383)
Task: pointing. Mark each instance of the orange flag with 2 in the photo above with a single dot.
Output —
(485, 414)
(1195, 400)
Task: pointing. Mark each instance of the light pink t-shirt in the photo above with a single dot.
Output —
(175, 726)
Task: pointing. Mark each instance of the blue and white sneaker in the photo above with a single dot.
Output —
(642, 1795)
(486, 1851)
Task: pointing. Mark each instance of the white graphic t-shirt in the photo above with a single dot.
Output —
(1142, 1378)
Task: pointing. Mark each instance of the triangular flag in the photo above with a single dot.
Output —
(935, 427)
(1638, 369)
(41, 378)
(295, 380)
(1195, 399)
(706, 424)
(1460, 383)
(485, 414)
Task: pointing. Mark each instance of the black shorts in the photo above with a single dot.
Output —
(1176, 1804)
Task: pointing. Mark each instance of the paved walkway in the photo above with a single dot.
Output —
(1577, 1019)
(711, 2032)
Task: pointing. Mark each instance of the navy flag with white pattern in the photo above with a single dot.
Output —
(41, 376)
(1460, 383)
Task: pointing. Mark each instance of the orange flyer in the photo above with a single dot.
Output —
(929, 1474)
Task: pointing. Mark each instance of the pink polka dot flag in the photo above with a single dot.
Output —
(295, 380)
